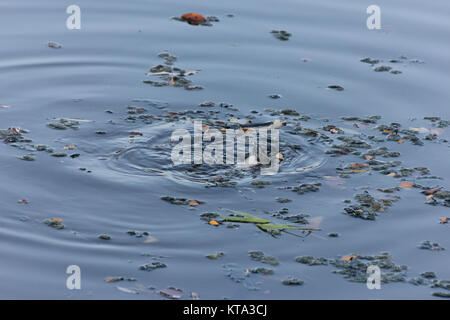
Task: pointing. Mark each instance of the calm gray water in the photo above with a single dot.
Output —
(101, 67)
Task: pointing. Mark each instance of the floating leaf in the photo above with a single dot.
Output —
(171, 293)
(274, 229)
(193, 18)
(350, 258)
(244, 218)
(193, 203)
(406, 184)
(444, 220)
(213, 223)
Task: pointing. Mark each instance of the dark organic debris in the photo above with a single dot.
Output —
(281, 34)
(152, 266)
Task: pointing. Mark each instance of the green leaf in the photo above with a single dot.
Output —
(244, 218)
(275, 229)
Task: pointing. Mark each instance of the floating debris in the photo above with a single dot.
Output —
(428, 245)
(54, 45)
(261, 257)
(182, 201)
(152, 266)
(292, 282)
(368, 207)
(262, 270)
(215, 256)
(281, 34)
(104, 237)
(55, 223)
(171, 76)
(355, 269)
(171, 293)
(336, 87)
(311, 261)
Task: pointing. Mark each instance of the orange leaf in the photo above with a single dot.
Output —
(213, 223)
(193, 203)
(406, 184)
(429, 196)
(350, 258)
(387, 131)
(193, 18)
(444, 220)
(56, 220)
(400, 141)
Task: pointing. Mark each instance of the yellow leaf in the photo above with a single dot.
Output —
(214, 223)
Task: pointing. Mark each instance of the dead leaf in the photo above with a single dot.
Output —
(350, 258)
(444, 220)
(368, 157)
(71, 147)
(400, 141)
(113, 279)
(391, 174)
(357, 166)
(406, 184)
(430, 196)
(431, 191)
(193, 203)
(23, 201)
(15, 131)
(56, 220)
(193, 18)
(214, 223)
(171, 293)
(171, 82)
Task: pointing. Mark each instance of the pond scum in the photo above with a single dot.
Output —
(365, 143)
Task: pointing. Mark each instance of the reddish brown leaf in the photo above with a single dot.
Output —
(193, 18)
